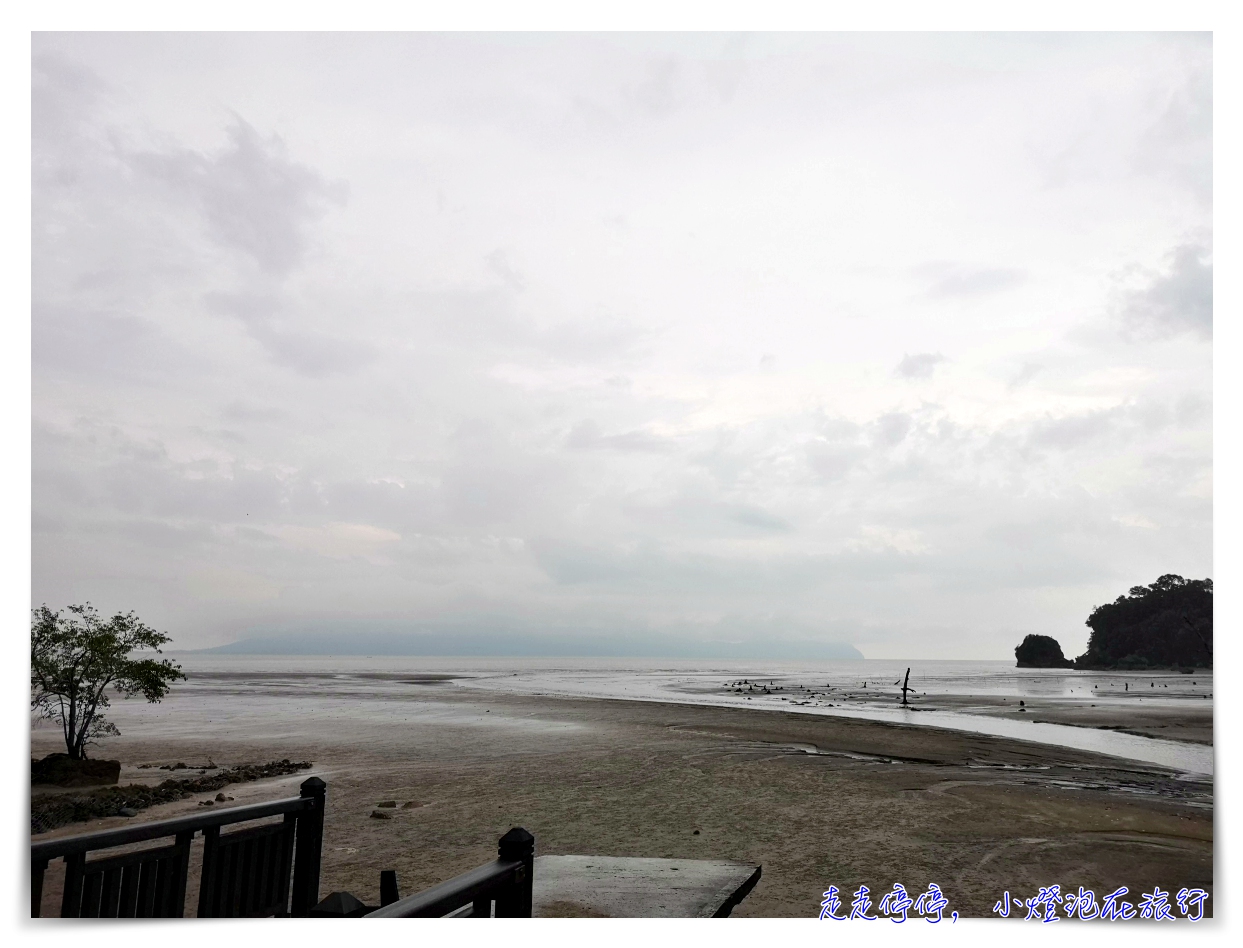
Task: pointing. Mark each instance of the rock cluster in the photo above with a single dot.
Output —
(47, 813)
(61, 770)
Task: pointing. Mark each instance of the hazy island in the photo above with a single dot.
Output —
(1166, 625)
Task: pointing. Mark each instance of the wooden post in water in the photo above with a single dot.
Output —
(906, 681)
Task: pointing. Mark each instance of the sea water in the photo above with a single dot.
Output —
(865, 689)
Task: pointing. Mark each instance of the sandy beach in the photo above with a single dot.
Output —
(815, 801)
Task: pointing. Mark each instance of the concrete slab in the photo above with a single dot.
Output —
(625, 887)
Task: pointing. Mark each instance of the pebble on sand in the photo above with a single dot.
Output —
(381, 815)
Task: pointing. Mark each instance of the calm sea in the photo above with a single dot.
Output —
(274, 685)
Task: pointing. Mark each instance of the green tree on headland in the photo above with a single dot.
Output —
(74, 660)
(1168, 624)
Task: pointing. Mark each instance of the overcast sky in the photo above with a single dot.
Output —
(902, 341)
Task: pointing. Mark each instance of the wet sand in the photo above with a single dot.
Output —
(816, 801)
(1183, 721)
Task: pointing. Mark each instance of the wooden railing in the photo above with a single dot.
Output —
(245, 873)
(506, 882)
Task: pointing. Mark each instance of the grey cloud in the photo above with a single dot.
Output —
(1179, 300)
(892, 428)
(650, 565)
(829, 461)
(244, 411)
(498, 262)
(253, 197)
(505, 440)
(1193, 409)
(487, 323)
(975, 283)
(655, 94)
(834, 428)
(918, 366)
(1108, 429)
(1057, 553)
(310, 353)
(1072, 430)
(63, 97)
(726, 73)
(88, 342)
(587, 434)
(703, 514)
(1026, 372)
(492, 480)
(1178, 142)
(759, 519)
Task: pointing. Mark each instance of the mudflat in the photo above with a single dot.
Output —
(1186, 721)
(816, 801)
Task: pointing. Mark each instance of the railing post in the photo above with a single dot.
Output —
(182, 870)
(37, 868)
(309, 843)
(515, 902)
(208, 876)
(389, 892)
(71, 898)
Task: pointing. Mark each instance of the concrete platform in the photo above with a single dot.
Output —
(624, 887)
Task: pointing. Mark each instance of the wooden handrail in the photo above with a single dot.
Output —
(250, 867)
(508, 882)
(105, 839)
(444, 898)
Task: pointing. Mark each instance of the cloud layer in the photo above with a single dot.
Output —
(893, 340)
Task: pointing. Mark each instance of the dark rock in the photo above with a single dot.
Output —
(207, 803)
(220, 798)
(50, 812)
(61, 770)
(388, 803)
(127, 811)
(1041, 651)
(381, 815)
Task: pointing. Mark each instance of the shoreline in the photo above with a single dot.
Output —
(1123, 742)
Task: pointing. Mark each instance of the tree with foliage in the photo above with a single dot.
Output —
(1165, 625)
(75, 659)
